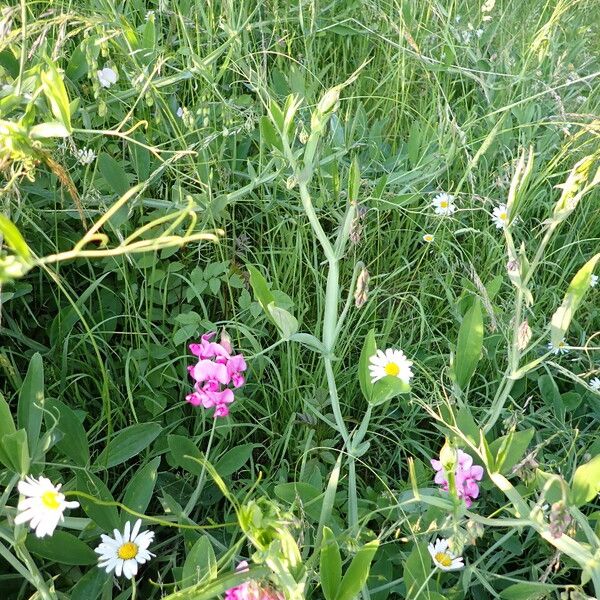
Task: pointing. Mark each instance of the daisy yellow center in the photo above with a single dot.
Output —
(561, 344)
(392, 369)
(128, 551)
(444, 203)
(503, 216)
(50, 500)
(428, 238)
(443, 559)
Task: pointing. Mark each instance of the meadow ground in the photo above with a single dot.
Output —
(313, 181)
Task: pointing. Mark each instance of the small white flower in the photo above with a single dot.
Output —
(107, 77)
(125, 551)
(180, 112)
(500, 216)
(444, 204)
(428, 238)
(595, 384)
(149, 15)
(43, 506)
(594, 280)
(479, 32)
(443, 558)
(85, 156)
(560, 348)
(390, 363)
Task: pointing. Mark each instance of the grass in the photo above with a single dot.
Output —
(440, 99)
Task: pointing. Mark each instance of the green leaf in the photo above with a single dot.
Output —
(269, 134)
(284, 321)
(77, 66)
(127, 443)
(234, 459)
(200, 564)
(56, 93)
(469, 345)
(31, 401)
(527, 590)
(74, 444)
(63, 548)
(261, 289)
(13, 238)
(357, 573)
(14, 453)
(7, 425)
(140, 488)
(106, 517)
(113, 173)
(510, 449)
(330, 570)
(586, 482)
(551, 394)
(576, 291)
(89, 587)
(466, 423)
(369, 349)
(416, 571)
(181, 446)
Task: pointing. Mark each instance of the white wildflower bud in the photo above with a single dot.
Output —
(523, 335)
(328, 101)
(303, 136)
(291, 182)
(448, 457)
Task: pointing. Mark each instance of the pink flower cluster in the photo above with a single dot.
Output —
(214, 372)
(466, 475)
(250, 590)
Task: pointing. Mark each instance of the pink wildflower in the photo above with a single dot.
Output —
(251, 590)
(466, 477)
(210, 372)
(208, 349)
(236, 365)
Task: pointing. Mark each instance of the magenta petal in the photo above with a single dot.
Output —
(464, 459)
(476, 472)
(436, 464)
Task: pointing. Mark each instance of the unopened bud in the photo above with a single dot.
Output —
(362, 288)
(523, 335)
(448, 457)
(560, 519)
(225, 341)
(328, 101)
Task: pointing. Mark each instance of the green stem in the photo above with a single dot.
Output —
(196, 493)
(23, 47)
(36, 576)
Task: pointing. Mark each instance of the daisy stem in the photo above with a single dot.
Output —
(133, 588)
(196, 493)
(38, 580)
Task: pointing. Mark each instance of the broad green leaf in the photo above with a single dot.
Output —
(354, 181)
(56, 94)
(113, 173)
(13, 238)
(329, 499)
(77, 66)
(261, 288)
(269, 134)
(509, 449)
(551, 394)
(74, 443)
(89, 587)
(31, 402)
(416, 571)
(284, 320)
(7, 425)
(234, 459)
(106, 517)
(63, 548)
(357, 573)
(14, 453)
(200, 564)
(586, 482)
(527, 590)
(469, 345)
(577, 288)
(466, 423)
(140, 488)
(308, 495)
(181, 447)
(330, 569)
(127, 443)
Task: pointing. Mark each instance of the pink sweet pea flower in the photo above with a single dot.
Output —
(210, 372)
(466, 476)
(208, 349)
(236, 365)
(251, 590)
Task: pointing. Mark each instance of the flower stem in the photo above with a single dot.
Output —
(196, 493)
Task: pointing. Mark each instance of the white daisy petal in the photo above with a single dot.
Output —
(443, 558)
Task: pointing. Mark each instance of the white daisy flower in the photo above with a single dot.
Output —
(443, 558)
(43, 505)
(594, 280)
(444, 204)
(107, 77)
(391, 363)
(125, 551)
(428, 238)
(595, 384)
(500, 216)
(560, 348)
(180, 112)
(85, 156)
